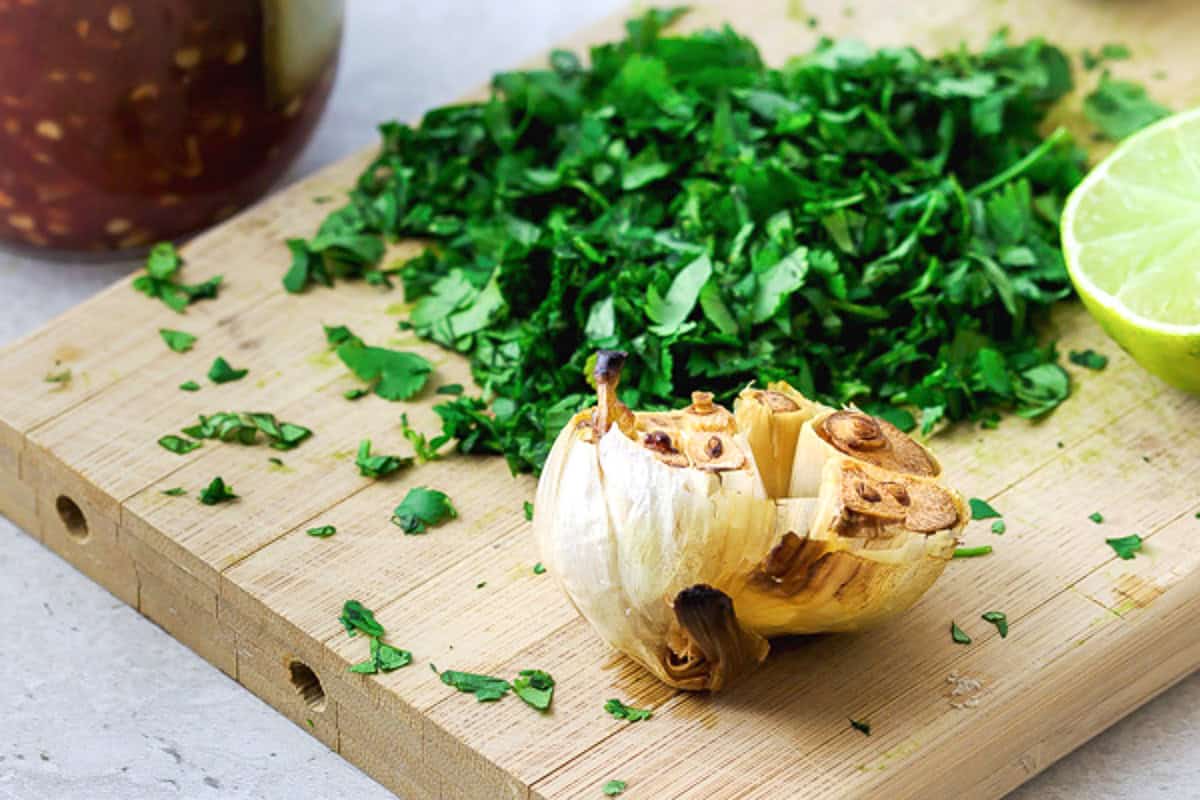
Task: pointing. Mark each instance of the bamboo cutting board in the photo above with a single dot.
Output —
(1092, 637)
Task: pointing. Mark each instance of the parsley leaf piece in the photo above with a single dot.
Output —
(189, 386)
(383, 658)
(397, 375)
(338, 335)
(357, 617)
(355, 394)
(973, 552)
(1126, 546)
(981, 509)
(538, 569)
(453, 389)
(669, 312)
(614, 788)
(425, 449)
(1089, 359)
(998, 527)
(244, 428)
(1119, 108)
(178, 491)
(179, 341)
(958, 634)
(162, 268)
(1108, 52)
(222, 372)
(217, 492)
(999, 619)
(178, 444)
(370, 466)
(628, 713)
(862, 727)
(322, 532)
(485, 688)
(535, 687)
(528, 509)
(422, 507)
(275, 462)
(62, 377)
(1096, 517)
(163, 261)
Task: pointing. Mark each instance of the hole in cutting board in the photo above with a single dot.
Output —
(72, 517)
(307, 685)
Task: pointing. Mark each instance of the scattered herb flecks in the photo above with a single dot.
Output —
(535, 687)
(528, 508)
(244, 428)
(958, 634)
(614, 788)
(1096, 517)
(370, 466)
(423, 508)
(1119, 108)
(394, 374)
(485, 688)
(222, 372)
(357, 617)
(190, 386)
(999, 619)
(179, 341)
(178, 491)
(162, 267)
(452, 389)
(1107, 52)
(217, 492)
(322, 531)
(981, 509)
(862, 727)
(999, 527)
(627, 713)
(874, 226)
(383, 658)
(539, 569)
(973, 552)
(62, 377)
(177, 444)
(1089, 359)
(1125, 546)
(425, 449)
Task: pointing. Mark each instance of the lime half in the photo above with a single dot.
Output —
(1131, 238)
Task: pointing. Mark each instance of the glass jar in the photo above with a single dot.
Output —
(125, 123)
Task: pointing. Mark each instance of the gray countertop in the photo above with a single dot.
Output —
(100, 704)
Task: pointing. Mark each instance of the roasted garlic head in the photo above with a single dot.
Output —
(686, 538)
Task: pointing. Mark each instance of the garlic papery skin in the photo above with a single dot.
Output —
(666, 536)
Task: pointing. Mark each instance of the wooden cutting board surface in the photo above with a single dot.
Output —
(1092, 637)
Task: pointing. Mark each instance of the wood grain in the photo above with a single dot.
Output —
(1092, 637)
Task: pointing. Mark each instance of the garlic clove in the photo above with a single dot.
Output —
(771, 420)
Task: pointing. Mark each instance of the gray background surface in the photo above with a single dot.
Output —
(97, 703)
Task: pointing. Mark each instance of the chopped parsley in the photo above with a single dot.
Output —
(422, 508)
(538, 569)
(178, 444)
(1119, 108)
(394, 374)
(628, 713)
(322, 532)
(356, 617)
(999, 527)
(614, 788)
(1096, 517)
(1108, 52)
(973, 552)
(190, 386)
(383, 658)
(425, 449)
(355, 394)
(178, 341)
(528, 508)
(1089, 359)
(485, 688)
(862, 727)
(999, 619)
(178, 491)
(1126, 546)
(958, 634)
(217, 492)
(244, 428)
(453, 389)
(370, 466)
(535, 687)
(981, 509)
(62, 377)
(768, 223)
(159, 282)
(222, 372)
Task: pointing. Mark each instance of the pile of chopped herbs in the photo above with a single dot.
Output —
(873, 226)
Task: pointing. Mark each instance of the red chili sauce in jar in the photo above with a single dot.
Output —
(124, 123)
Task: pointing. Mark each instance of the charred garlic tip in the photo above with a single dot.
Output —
(609, 409)
(662, 444)
(714, 451)
(711, 649)
(778, 402)
(883, 505)
(877, 442)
